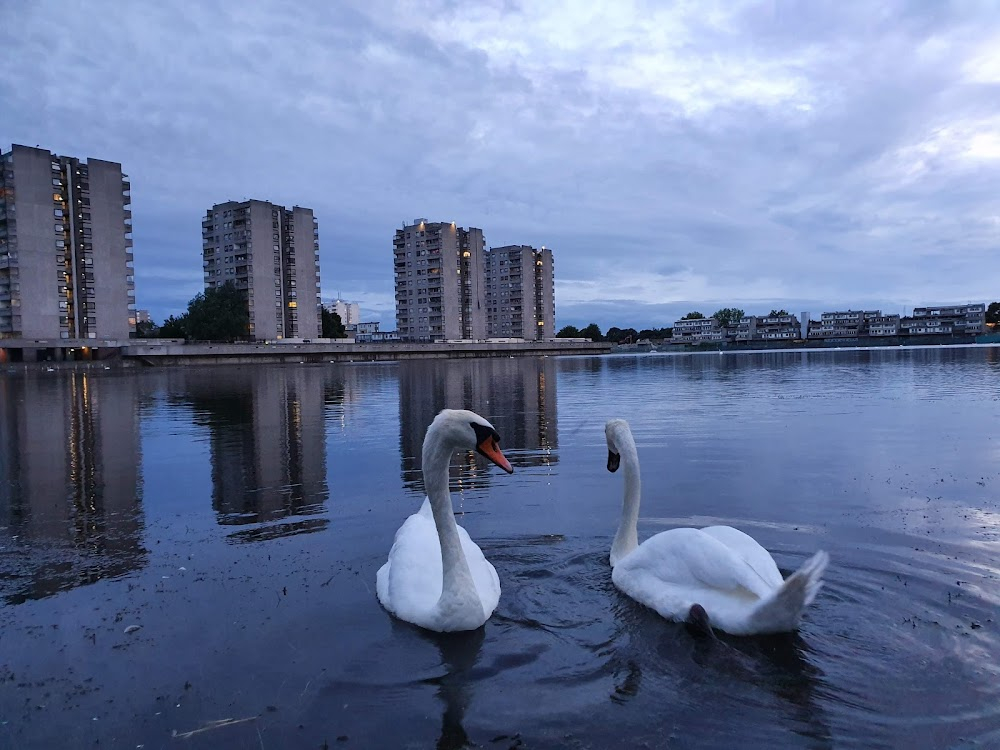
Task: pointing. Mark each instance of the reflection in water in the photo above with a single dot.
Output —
(518, 396)
(778, 664)
(459, 654)
(70, 488)
(268, 442)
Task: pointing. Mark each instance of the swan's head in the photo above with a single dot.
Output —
(466, 430)
(618, 435)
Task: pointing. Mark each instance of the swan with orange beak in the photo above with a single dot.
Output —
(436, 577)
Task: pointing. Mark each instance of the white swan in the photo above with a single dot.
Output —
(721, 569)
(436, 576)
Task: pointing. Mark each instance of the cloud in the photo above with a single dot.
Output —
(682, 155)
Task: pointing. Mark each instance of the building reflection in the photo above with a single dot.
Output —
(518, 396)
(268, 443)
(70, 483)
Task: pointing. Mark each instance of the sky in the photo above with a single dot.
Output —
(810, 155)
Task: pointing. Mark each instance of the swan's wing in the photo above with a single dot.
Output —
(484, 575)
(744, 545)
(691, 561)
(409, 584)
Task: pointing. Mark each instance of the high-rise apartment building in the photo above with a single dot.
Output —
(349, 312)
(66, 268)
(271, 254)
(520, 293)
(439, 282)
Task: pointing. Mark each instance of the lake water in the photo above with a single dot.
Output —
(238, 515)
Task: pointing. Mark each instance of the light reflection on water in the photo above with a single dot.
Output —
(239, 515)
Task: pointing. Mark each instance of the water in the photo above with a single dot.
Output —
(238, 515)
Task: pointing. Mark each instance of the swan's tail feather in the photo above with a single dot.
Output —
(782, 611)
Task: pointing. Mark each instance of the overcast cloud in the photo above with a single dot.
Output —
(693, 155)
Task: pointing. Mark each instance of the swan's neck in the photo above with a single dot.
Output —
(627, 537)
(458, 588)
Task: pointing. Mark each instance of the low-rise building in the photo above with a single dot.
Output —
(946, 319)
(843, 324)
(768, 328)
(363, 332)
(697, 331)
(883, 325)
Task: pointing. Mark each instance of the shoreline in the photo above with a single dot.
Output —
(141, 353)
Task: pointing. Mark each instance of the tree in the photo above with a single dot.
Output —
(333, 326)
(693, 316)
(655, 333)
(627, 335)
(592, 332)
(568, 332)
(728, 316)
(218, 314)
(993, 313)
(146, 329)
(174, 328)
(778, 313)
(621, 335)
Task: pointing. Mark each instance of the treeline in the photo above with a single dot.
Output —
(221, 314)
(614, 335)
(727, 316)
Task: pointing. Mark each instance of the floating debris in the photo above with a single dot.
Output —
(210, 726)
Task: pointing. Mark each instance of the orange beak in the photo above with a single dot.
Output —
(491, 450)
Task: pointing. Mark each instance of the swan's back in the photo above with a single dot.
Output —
(688, 557)
(747, 548)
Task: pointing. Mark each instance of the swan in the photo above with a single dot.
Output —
(715, 576)
(436, 577)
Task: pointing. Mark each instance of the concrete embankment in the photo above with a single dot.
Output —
(154, 354)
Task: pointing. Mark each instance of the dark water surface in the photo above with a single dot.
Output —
(238, 515)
